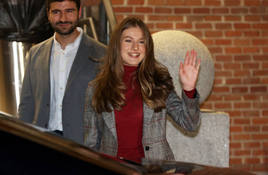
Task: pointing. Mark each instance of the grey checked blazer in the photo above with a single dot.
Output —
(35, 94)
(100, 132)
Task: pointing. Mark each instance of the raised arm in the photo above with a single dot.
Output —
(185, 111)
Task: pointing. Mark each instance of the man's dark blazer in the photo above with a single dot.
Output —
(35, 93)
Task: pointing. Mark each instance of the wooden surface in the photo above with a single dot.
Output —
(25, 149)
(22, 139)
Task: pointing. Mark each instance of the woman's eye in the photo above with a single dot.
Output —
(128, 40)
(142, 42)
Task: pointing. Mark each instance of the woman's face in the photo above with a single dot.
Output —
(132, 46)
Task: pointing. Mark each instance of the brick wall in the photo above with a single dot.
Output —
(236, 33)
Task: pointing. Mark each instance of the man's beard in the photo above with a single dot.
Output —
(61, 32)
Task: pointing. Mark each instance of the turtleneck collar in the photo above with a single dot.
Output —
(130, 69)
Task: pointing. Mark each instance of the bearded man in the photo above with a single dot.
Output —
(57, 73)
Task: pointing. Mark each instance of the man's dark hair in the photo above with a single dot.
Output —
(48, 2)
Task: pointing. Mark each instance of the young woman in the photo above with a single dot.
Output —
(127, 103)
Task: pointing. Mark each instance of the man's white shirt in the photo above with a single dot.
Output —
(60, 66)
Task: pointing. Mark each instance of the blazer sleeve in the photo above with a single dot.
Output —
(26, 106)
(185, 112)
(91, 132)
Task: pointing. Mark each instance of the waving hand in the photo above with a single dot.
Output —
(189, 70)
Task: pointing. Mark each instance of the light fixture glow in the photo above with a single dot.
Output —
(16, 72)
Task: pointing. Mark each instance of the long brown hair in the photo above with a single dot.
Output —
(153, 77)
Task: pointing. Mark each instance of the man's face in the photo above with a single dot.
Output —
(63, 17)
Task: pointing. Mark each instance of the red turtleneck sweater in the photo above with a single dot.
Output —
(129, 120)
